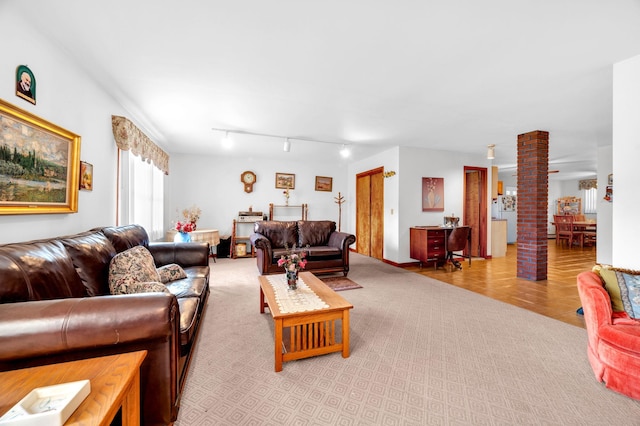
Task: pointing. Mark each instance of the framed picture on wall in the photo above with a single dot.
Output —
(324, 183)
(25, 84)
(41, 168)
(285, 181)
(86, 176)
(432, 194)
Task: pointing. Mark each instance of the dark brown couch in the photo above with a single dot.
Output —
(327, 249)
(56, 307)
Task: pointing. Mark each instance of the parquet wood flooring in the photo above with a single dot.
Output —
(556, 297)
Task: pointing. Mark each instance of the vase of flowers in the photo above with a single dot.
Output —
(293, 262)
(184, 229)
(187, 224)
(286, 196)
(192, 214)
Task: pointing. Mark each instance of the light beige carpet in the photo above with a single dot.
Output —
(422, 352)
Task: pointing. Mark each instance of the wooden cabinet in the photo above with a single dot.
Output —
(240, 243)
(428, 244)
(494, 182)
(569, 206)
(498, 238)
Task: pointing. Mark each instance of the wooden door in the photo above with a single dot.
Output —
(475, 208)
(370, 213)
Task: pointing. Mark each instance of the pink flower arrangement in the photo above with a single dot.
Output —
(185, 227)
(293, 262)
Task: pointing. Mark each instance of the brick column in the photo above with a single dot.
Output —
(533, 204)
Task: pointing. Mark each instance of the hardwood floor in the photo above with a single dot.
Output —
(557, 297)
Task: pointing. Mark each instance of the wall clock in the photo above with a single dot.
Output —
(248, 178)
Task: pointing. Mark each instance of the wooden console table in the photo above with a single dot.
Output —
(115, 382)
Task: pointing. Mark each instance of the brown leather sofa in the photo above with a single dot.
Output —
(327, 249)
(56, 307)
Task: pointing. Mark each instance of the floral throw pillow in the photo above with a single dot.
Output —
(134, 271)
(171, 272)
(630, 293)
(623, 286)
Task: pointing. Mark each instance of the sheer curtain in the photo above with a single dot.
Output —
(590, 196)
(141, 195)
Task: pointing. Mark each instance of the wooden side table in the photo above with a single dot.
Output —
(115, 383)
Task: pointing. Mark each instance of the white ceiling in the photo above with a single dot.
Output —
(452, 75)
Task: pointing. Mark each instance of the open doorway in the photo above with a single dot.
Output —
(475, 208)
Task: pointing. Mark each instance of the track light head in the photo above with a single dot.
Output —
(287, 145)
(491, 152)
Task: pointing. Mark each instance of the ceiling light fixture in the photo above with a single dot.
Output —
(491, 152)
(344, 151)
(227, 143)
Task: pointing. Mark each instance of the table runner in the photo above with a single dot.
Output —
(300, 300)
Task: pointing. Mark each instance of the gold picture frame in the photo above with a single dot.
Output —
(285, 181)
(324, 183)
(39, 164)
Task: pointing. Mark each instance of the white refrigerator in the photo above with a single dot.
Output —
(505, 207)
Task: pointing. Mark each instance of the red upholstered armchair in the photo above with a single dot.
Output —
(614, 338)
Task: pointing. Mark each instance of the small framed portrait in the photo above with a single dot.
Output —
(86, 176)
(324, 183)
(285, 181)
(25, 84)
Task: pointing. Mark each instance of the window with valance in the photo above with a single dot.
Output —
(130, 138)
(588, 184)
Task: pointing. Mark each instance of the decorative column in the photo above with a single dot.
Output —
(533, 204)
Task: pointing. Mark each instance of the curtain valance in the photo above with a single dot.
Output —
(588, 184)
(129, 137)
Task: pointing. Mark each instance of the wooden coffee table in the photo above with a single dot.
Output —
(310, 333)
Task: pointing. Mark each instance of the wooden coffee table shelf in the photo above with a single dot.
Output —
(115, 383)
(308, 333)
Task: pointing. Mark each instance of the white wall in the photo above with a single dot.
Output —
(604, 244)
(626, 153)
(213, 184)
(65, 96)
(403, 192)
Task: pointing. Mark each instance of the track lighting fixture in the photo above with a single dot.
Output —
(228, 143)
(491, 152)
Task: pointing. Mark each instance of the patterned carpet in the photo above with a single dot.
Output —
(422, 352)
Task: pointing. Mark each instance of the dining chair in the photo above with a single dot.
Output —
(565, 230)
(457, 241)
(589, 237)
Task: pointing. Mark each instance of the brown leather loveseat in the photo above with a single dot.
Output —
(55, 306)
(327, 249)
